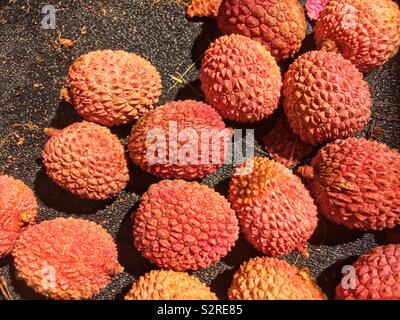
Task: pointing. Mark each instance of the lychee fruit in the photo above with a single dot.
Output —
(240, 79)
(169, 285)
(315, 7)
(276, 212)
(376, 276)
(18, 210)
(203, 8)
(66, 259)
(112, 87)
(284, 146)
(183, 139)
(272, 279)
(87, 160)
(325, 97)
(280, 25)
(356, 183)
(366, 32)
(183, 225)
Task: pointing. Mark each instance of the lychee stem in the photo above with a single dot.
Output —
(26, 218)
(329, 45)
(51, 132)
(306, 172)
(113, 269)
(305, 253)
(64, 95)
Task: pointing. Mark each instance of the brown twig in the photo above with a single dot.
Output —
(294, 146)
(4, 289)
(26, 125)
(297, 259)
(180, 78)
(260, 150)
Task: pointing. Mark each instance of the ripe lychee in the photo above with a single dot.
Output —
(87, 160)
(280, 25)
(112, 87)
(18, 210)
(203, 8)
(183, 225)
(240, 79)
(356, 183)
(284, 146)
(66, 259)
(276, 212)
(272, 279)
(169, 285)
(183, 140)
(376, 276)
(366, 32)
(315, 7)
(325, 97)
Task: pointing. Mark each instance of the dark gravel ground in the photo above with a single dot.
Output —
(33, 68)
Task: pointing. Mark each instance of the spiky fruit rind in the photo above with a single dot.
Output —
(272, 279)
(203, 8)
(325, 97)
(315, 7)
(279, 25)
(356, 183)
(367, 32)
(113, 87)
(284, 146)
(87, 160)
(157, 142)
(169, 285)
(276, 212)
(377, 276)
(240, 79)
(18, 210)
(66, 259)
(183, 225)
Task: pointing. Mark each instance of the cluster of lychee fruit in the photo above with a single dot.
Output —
(183, 225)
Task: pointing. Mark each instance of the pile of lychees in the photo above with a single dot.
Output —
(182, 225)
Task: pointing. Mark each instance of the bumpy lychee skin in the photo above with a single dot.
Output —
(159, 143)
(112, 87)
(367, 32)
(169, 285)
(203, 8)
(276, 212)
(66, 259)
(280, 25)
(272, 279)
(325, 97)
(87, 160)
(315, 7)
(184, 225)
(356, 183)
(18, 210)
(284, 146)
(377, 276)
(240, 79)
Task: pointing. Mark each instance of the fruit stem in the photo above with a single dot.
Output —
(113, 269)
(306, 172)
(26, 218)
(329, 45)
(51, 132)
(64, 95)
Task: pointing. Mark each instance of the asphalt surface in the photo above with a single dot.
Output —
(33, 67)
